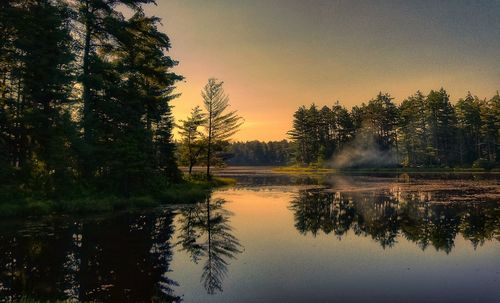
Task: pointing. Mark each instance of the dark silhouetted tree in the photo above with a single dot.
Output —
(220, 124)
(191, 145)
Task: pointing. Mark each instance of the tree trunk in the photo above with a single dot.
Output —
(87, 108)
(209, 145)
(208, 158)
(85, 78)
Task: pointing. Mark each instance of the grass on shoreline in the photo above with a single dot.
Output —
(29, 300)
(319, 170)
(191, 191)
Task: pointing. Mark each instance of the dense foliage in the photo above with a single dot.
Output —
(84, 99)
(272, 153)
(421, 131)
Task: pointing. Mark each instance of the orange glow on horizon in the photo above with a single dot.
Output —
(275, 57)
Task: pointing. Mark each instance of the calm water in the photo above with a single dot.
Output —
(273, 239)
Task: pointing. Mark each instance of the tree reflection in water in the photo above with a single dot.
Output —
(385, 214)
(205, 233)
(125, 258)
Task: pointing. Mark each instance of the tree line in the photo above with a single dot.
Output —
(423, 130)
(85, 96)
(191, 149)
(272, 153)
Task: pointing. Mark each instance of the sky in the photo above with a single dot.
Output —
(276, 55)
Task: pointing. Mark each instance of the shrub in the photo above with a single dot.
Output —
(484, 164)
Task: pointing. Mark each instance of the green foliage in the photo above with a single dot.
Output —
(423, 131)
(489, 146)
(483, 163)
(135, 112)
(37, 77)
(192, 143)
(441, 121)
(28, 300)
(318, 134)
(69, 131)
(192, 190)
(88, 204)
(273, 153)
(468, 128)
(412, 131)
(380, 119)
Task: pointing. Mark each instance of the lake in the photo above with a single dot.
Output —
(273, 238)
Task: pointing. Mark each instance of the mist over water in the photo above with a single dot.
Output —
(363, 151)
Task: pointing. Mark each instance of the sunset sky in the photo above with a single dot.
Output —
(275, 55)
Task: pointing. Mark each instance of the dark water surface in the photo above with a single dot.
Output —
(389, 238)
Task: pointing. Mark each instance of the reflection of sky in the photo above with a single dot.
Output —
(279, 264)
(276, 55)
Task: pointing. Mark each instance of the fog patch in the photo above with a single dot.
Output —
(363, 152)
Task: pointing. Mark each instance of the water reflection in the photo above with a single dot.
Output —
(383, 215)
(205, 233)
(121, 259)
(188, 252)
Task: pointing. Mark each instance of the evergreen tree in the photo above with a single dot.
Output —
(380, 119)
(299, 135)
(133, 123)
(310, 134)
(468, 128)
(342, 127)
(489, 145)
(441, 120)
(220, 125)
(413, 130)
(424, 131)
(37, 81)
(93, 19)
(191, 138)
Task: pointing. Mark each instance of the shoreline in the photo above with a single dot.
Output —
(313, 170)
(193, 190)
(188, 192)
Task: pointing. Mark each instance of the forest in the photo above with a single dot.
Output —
(271, 153)
(190, 152)
(85, 109)
(422, 131)
(85, 103)
(133, 166)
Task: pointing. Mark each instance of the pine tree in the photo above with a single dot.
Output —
(191, 138)
(37, 80)
(94, 20)
(133, 123)
(468, 128)
(342, 126)
(441, 120)
(220, 124)
(413, 130)
(380, 115)
(300, 134)
(489, 146)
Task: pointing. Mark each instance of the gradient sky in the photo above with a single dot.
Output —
(275, 55)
